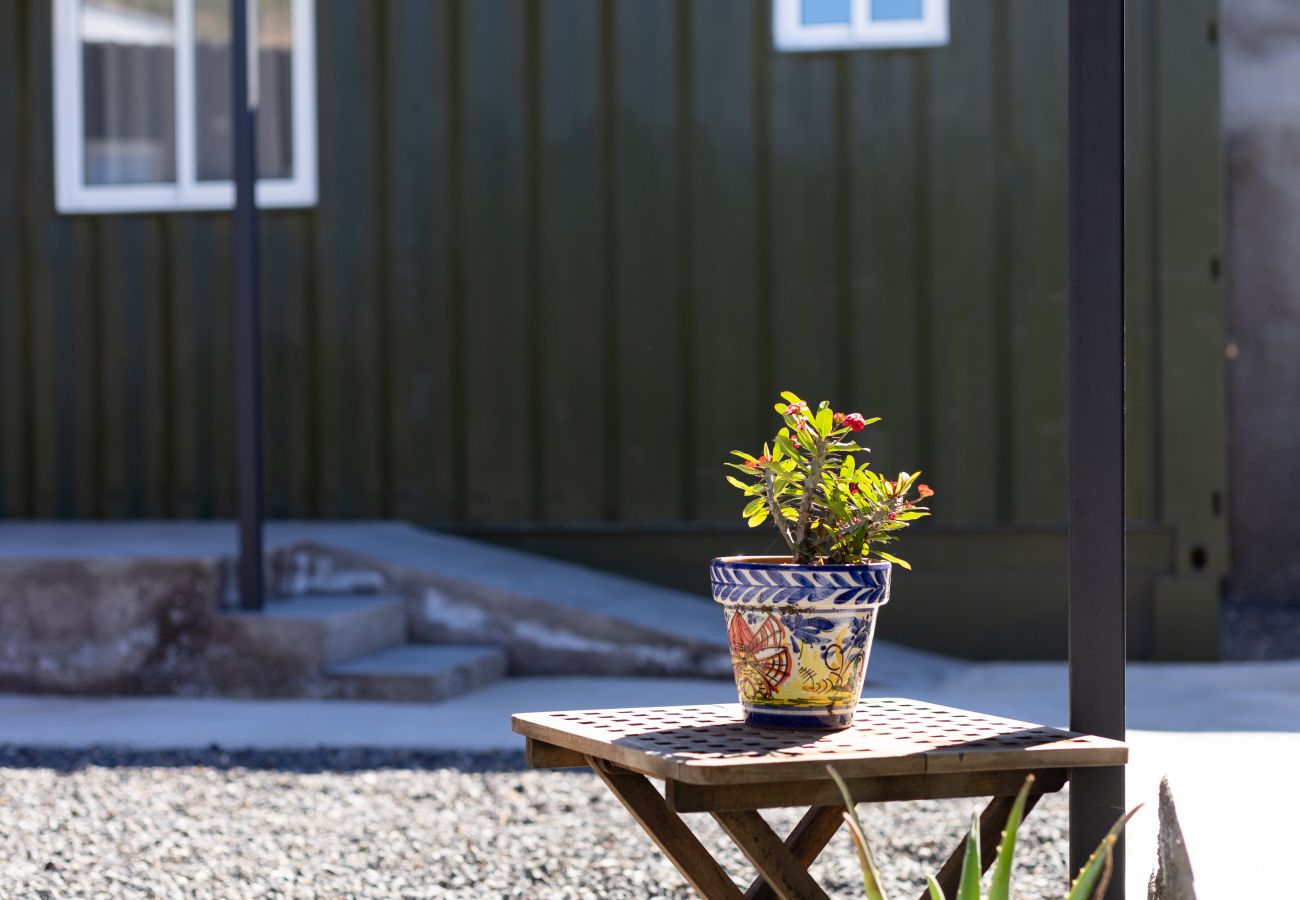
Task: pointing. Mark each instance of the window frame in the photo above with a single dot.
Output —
(73, 195)
(790, 34)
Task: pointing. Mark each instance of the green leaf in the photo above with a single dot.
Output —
(969, 885)
(888, 557)
(823, 421)
(780, 408)
(1095, 875)
(870, 872)
(758, 518)
(789, 397)
(783, 442)
(936, 892)
(736, 482)
(1000, 880)
(754, 506)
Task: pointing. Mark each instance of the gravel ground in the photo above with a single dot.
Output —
(386, 824)
(1258, 631)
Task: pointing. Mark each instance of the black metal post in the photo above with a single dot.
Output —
(1096, 342)
(248, 351)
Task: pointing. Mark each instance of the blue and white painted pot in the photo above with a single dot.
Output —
(800, 636)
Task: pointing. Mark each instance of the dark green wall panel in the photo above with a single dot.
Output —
(567, 252)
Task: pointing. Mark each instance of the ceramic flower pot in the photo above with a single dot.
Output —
(800, 636)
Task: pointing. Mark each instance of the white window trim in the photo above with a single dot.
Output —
(73, 195)
(791, 34)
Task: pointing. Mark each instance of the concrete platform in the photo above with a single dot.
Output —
(550, 617)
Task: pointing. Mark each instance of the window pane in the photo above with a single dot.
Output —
(827, 12)
(895, 10)
(128, 71)
(212, 85)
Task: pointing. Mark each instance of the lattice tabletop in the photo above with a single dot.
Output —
(711, 761)
(890, 736)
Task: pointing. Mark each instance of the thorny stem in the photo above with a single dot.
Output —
(805, 506)
(774, 509)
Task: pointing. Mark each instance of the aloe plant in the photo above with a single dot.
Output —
(1090, 884)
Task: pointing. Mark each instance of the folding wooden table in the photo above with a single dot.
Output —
(710, 761)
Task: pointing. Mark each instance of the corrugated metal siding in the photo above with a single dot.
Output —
(567, 252)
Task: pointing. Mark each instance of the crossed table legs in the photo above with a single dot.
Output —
(783, 865)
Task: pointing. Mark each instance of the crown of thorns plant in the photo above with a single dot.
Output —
(829, 507)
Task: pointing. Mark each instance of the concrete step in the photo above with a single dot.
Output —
(282, 650)
(344, 626)
(417, 673)
(551, 617)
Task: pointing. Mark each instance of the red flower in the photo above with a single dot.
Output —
(762, 459)
(796, 409)
(855, 421)
(751, 464)
(893, 515)
(838, 418)
(925, 490)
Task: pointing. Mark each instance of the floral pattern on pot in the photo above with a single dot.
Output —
(800, 636)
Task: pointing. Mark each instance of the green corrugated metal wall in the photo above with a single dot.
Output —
(567, 252)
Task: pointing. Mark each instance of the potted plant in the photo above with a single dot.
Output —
(800, 626)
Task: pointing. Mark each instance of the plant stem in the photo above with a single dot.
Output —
(774, 509)
(805, 505)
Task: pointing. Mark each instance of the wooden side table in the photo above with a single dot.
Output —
(710, 761)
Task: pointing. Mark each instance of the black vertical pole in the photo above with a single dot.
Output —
(1096, 286)
(248, 351)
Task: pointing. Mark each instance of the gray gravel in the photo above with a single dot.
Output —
(100, 823)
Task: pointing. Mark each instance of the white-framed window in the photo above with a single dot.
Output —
(849, 24)
(142, 104)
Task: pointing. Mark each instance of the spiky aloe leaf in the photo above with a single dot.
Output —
(1094, 877)
(969, 886)
(936, 892)
(870, 872)
(1000, 879)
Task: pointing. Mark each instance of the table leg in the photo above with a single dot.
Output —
(668, 831)
(774, 860)
(806, 843)
(992, 821)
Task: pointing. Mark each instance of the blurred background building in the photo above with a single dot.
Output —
(532, 268)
